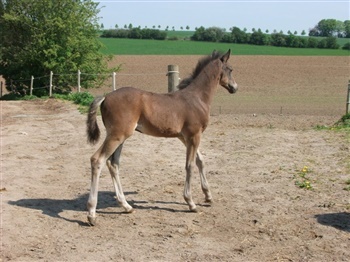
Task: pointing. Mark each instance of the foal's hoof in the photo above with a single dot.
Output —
(91, 220)
(194, 209)
(129, 210)
(209, 201)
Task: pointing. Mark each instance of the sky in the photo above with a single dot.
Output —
(271, 15)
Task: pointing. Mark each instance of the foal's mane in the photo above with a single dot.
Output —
(203, 62)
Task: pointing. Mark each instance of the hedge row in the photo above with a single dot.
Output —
(135, 33)
(215, 34)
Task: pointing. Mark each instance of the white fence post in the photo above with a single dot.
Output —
(113, 81)
(79, 81)
(31, 85)
(50, 92)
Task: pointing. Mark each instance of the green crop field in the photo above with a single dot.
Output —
(119, 46)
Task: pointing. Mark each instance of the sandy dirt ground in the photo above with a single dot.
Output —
(253, 160)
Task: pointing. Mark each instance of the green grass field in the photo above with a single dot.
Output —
(118, 46)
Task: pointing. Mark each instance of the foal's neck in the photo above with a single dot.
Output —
(207, 81)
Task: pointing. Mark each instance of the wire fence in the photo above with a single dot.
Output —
(29, 85)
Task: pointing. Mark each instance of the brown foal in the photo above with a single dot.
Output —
(183, 114)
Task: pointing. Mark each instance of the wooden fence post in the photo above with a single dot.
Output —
(31, 85)
(173, 78)
(1, 84)
(113, 81)
(348, 100)
(79, 81)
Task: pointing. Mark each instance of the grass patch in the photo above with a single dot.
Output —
(342, 124)
(347, 182)
(83, 100)
(120, 46)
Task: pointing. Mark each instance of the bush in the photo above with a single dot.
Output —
(83, 98)
(211, 34)
(278, 39)
(312, 42)
(347, 46)
(331, 43)
(258, 38)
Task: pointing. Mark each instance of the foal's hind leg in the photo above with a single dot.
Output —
(98, 161)
(113, 166)
(204, 182)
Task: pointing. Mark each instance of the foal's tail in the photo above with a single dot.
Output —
(93, 132)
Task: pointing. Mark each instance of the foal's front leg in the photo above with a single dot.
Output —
(201, 169)
(192, 144)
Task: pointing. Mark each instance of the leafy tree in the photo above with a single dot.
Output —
(347, 28)
(303, 32)
(42, 36)
(258, 38)
(238, 36)
(198, 34)
(325, 27)
(339, 29)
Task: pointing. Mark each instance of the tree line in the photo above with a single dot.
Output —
(135, 33)
(215, 34)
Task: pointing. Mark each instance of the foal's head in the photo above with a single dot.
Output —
(226, 79)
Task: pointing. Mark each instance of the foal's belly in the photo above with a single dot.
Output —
(157, 130)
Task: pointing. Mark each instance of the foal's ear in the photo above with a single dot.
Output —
(214, 53)
(226, 56)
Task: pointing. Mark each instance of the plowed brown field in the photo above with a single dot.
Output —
(255, 147)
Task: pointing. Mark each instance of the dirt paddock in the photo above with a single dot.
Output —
(254, 148)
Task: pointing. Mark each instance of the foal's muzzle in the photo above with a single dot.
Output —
(232, 88)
